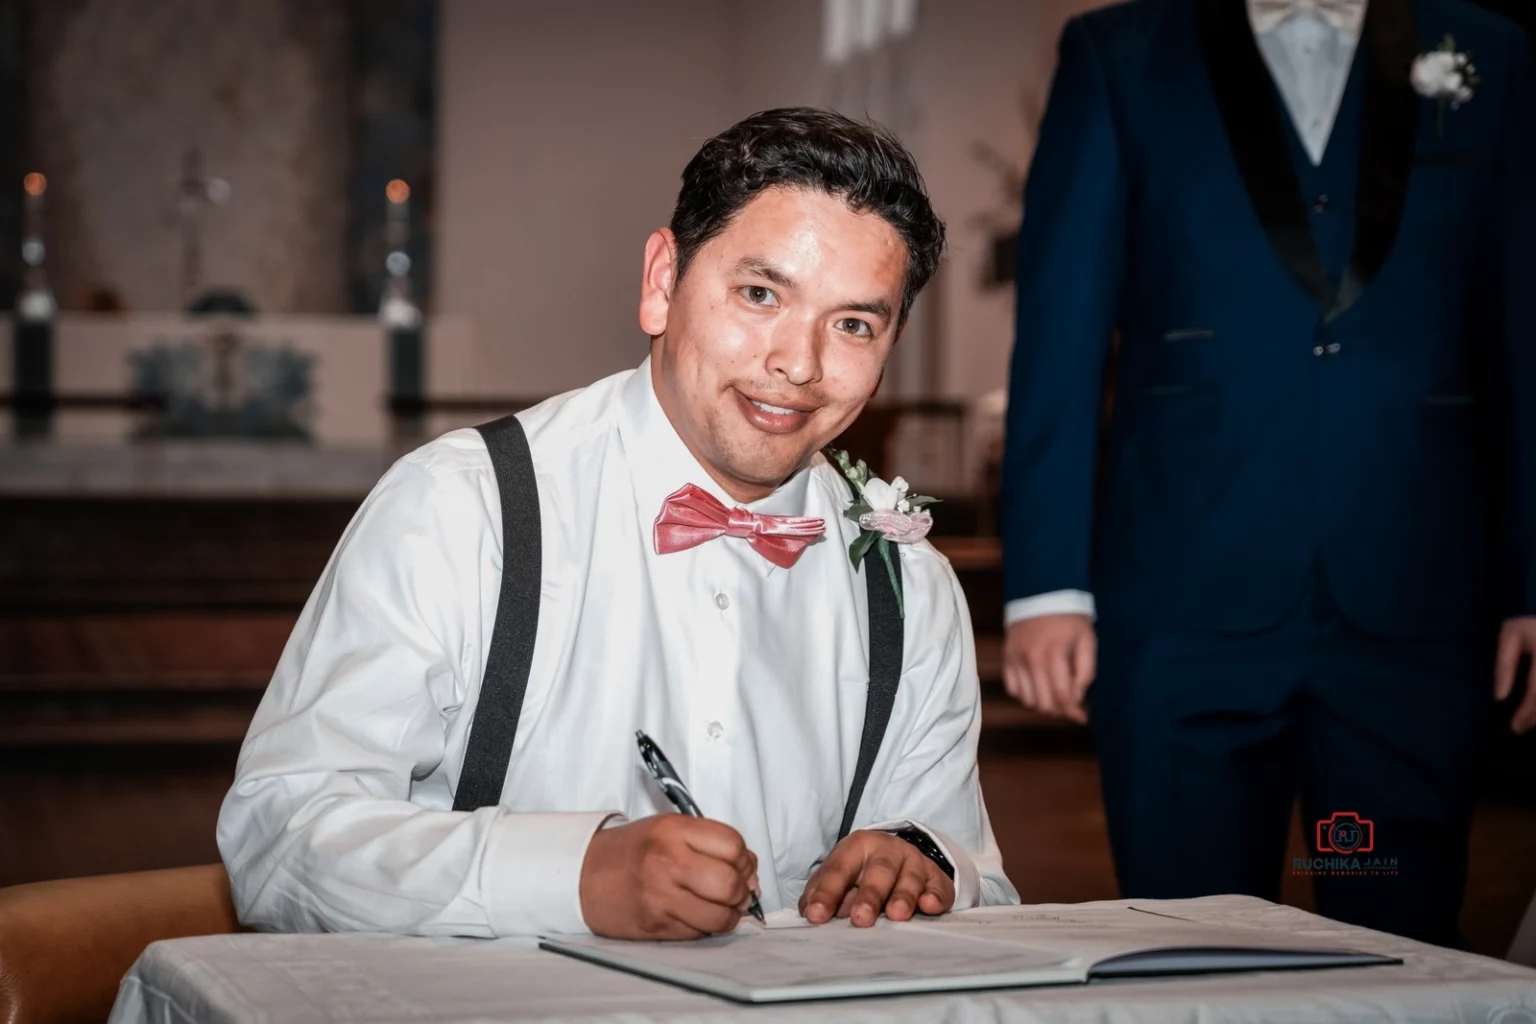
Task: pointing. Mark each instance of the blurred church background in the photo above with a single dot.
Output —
(252, 250)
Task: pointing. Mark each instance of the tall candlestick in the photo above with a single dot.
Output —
(33, 332)
(402, 319)
(35, 303)
(32, 348)
(396, 309)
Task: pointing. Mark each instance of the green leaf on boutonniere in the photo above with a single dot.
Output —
(858, 472)
(857, 509)
(859, 548)
(890, 568)
(921, 501)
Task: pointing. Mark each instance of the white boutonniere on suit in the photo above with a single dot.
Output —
(1446, 75)
(886, 515)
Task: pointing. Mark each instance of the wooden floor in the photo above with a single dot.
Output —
(1049, 823)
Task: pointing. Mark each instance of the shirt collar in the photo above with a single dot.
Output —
(1344, 19)
(659, 462)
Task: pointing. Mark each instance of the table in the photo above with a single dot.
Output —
(379, 978)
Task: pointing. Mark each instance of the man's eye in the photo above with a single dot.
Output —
(760, 296)
(853, 325)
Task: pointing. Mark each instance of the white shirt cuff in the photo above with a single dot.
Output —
(967, 878)
(532, 865)
(1057, 602)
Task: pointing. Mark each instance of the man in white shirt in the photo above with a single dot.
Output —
(798, 243)
(1287, 560)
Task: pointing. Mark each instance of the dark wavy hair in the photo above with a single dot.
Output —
(802, 147)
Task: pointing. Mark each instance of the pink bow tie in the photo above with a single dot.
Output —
(690, 516)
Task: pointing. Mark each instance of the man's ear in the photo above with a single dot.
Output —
(656, 281)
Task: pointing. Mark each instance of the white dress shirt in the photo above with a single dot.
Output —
(752, 678)
(1309, 61)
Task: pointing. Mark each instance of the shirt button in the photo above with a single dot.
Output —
(715, 730)
(722, 602)
(1320, 204)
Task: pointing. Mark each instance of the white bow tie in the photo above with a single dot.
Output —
(1348, 16)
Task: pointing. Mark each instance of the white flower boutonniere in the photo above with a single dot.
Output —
(1446, 75)
(886, 514)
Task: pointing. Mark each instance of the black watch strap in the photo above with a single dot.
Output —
(928, 848)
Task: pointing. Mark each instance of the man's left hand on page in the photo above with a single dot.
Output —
(870, 873)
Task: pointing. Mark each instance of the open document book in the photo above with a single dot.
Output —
(993, 947)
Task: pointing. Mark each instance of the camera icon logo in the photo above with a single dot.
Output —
(1346, 832)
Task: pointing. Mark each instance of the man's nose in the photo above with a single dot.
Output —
(796, 354)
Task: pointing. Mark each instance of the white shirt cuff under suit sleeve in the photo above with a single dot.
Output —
(1057, 602)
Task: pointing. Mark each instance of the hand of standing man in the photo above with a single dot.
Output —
(1049, 663)
(1517, 640)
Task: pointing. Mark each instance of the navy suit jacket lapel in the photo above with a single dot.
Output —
(1251, 113)
(1389, 135)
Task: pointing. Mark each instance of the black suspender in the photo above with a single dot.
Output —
(885, 649)
(517, 620)
(494, 728)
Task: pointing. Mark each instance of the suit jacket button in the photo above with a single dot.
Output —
(1321, 204)
(1333, 348)
(1317, 350)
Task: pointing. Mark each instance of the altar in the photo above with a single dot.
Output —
(334, 372)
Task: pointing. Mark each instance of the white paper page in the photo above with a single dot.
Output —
(988, 947)
(1101, 933)
(767, 964)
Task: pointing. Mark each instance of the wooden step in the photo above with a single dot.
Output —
(73, 555)
(137, 679)
(971, 554)
(133, 682)
(146, 646)
(165, 726)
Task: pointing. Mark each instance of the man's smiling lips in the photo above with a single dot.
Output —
(780, 417)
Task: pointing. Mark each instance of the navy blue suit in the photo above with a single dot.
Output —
(1315, 496)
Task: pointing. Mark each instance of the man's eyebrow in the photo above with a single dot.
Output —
(879, 307)
(767, 271)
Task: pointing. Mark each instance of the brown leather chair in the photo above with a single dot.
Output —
(65, 945)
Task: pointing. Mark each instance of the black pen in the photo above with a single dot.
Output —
(666, 777)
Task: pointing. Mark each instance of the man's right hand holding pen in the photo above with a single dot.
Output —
(667, 877)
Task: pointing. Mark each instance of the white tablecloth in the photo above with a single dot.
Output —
(377, 978)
